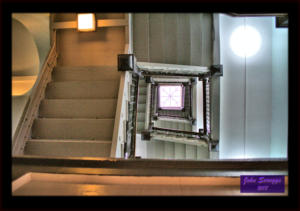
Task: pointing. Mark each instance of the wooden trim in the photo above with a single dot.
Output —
(112, 22)
(65, 25)
(21, 181)
(173, 119)
(255, 14)
(121, 110)
(23, 132)
(127, 185)
(133, 137)
(118, 118)
(148, 107)
(100, 23)
(176, 131)
(157, 67)
(180, 140)
(148, 167)
(127, 40)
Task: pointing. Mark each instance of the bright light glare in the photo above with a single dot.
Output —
(170, 97)
(245, 41)
(86, 22)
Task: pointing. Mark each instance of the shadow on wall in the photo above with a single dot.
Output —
(30, 46)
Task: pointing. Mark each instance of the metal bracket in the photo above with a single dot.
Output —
(149, 79)
(145, 135)
(126, 62)
(201, 131)
(216, 70)
(194, 122)
(193, 81)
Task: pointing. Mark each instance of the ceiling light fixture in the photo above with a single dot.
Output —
(86, 22)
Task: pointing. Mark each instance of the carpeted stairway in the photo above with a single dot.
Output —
(76, 118)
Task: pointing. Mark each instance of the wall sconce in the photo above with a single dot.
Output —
(86, 22)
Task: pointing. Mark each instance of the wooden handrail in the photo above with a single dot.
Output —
(155, 68)
(132, 142)
(204, 107)
(119, 132)
(148, 106)
(177, 131)
(23, 131)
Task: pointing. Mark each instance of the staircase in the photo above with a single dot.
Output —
(141, 109)
(164, 149)
(76, 118)
(170, 150)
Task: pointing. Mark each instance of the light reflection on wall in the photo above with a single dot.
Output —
(248, 92)
(245, 41)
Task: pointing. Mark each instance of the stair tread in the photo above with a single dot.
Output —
(82, 89)
(92, 73)
(75, 118)
(79, 128)
(78, 108)
(67, 148)
(71, 140)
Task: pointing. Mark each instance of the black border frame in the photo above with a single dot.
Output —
(291, 202)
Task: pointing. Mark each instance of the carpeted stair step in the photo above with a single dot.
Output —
(68, 148)
(78, 108)
(82, 89)
(90, 129)
(92, 73)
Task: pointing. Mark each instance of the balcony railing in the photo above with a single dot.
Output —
(127, 62)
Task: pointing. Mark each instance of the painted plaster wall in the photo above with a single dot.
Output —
(279, 92)
(249, 94)
(93, 48)
(38, 26)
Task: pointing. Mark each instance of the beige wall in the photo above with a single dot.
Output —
(28, 58)
(89, 48)
(38, 26)
(25, 57)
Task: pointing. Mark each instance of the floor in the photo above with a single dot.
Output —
(42, 184)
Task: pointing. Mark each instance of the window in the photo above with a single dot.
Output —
(171, 96)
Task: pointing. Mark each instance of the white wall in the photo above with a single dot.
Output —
(248, 91)
(279, 92)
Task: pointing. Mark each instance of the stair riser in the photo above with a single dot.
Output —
(82, 90)
(78, 108)
(143, 90)
(142, 99)
(141, 108)
(68, 149)
(141, 117)
(87, 129)
(85, 74)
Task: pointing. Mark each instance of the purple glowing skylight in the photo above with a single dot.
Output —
(170, 97)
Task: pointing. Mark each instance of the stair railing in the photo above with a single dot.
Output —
(127, 62)
(204, 74)
(122, 115)
(23, 131)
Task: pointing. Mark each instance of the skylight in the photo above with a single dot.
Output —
(171, 97)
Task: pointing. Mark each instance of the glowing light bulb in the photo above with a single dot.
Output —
(86, 22)
(245, 41)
